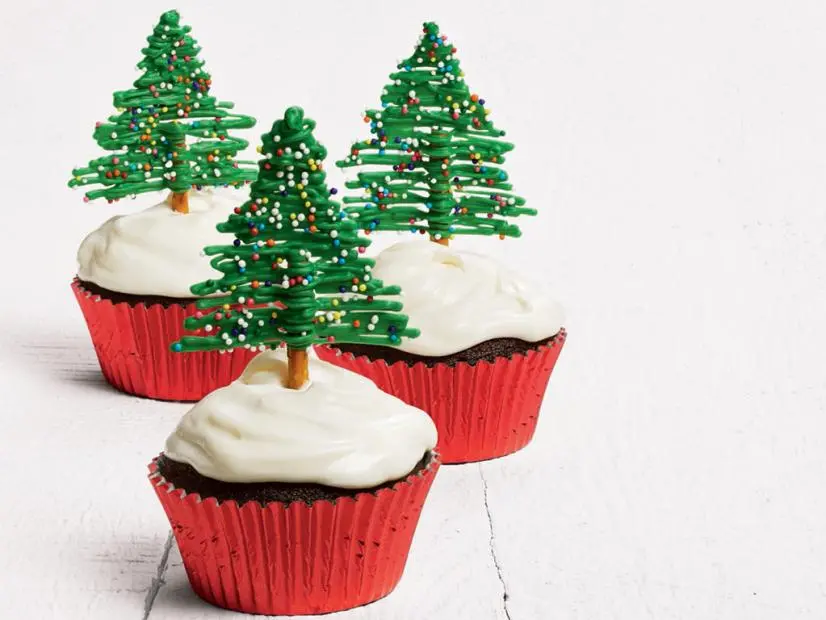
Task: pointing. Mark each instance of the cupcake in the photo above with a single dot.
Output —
(171, 135)
(133, 286)
(297, 488)
(480, 366)
(433, 165)
(286, 501)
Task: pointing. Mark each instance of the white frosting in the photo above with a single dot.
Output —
(460, 299)
(339, 429)
(157, 251)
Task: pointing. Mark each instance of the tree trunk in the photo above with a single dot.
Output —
(179, 202)
(176, 137)
(297, 369)
(439, 154)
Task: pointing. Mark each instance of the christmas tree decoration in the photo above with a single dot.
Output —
(295, 273)
(433, 163)
(170, 132)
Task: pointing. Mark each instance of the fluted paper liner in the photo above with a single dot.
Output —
(132, 345)
(482, 411)
(296, 559)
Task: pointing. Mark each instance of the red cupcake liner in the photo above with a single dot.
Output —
(482, 411)
(132, 346)
(295, 559)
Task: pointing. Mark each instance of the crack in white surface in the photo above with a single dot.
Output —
(158, 580)
(492, 545)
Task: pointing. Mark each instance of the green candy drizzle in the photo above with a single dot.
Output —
(294, 273)
(173, 91)
(440, 152)
(179, 174)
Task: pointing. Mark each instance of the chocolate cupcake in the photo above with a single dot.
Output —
(168, 135)
(133, 280)
(286, 501)
(433, 165)
(481, 365)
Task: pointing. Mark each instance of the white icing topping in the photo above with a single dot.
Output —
(157, 251)
(339, 429)
(461, 299)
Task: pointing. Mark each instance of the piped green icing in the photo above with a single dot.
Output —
(295, 273)
(178, 175)
(173, 90)
(440, 155)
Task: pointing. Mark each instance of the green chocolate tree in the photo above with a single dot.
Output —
(294, 273)
(169, 103)
(434, 158)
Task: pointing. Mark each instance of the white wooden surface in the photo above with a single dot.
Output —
(677, 156)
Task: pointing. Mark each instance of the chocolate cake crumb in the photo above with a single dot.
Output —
(184, 476)
(134, 300)
(487, 351)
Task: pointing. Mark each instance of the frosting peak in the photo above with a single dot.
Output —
(339, 429)
(460, 299)
(157, 251)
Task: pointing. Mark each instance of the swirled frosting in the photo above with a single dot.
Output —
(461, 299)
(156, 251)
(339, 429)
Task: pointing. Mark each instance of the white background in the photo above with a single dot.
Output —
(676, 154)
